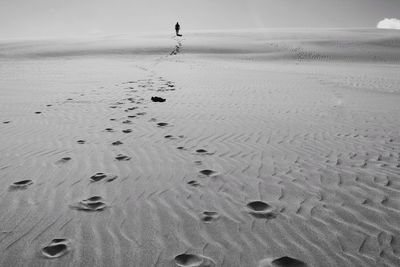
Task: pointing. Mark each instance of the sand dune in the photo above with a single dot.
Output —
(269, 149)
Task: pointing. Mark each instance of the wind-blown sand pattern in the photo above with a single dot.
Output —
(273, 148)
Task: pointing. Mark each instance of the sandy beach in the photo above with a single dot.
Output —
(260, 148)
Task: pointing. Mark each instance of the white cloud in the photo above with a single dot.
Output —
(389, 24)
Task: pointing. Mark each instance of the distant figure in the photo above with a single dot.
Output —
(177, 29)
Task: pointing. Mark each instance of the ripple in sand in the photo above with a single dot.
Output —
(103, 176)
(193, 260)
(21, 184)
(57, 248)
(94, 203)
(116, 143)
(127, 122)
(38, 112)
(121, 157)
(209, 216)
(127, 131)
(261, 210)
(6, 122)
(288, 262)
(81, 142)
(109, 129)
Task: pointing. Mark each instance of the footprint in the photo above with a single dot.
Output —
(261, 210)
(38, 112)
(6, 122)
(121, 157)
(209, 216)
(81, 142)
(49, 105)
(64, 160)
(193, 183)
(116, 143)
(288, 262)
(94, 203)
(162, 124)
(100, 176)
(208, 172)
(127, 122)
(57, 248)
(21, 184)
(132, 116)
(181, 148)
(109, 130)
(258, 206)
(141, 113)
(193, 260)
(203, 152)
(127, 131)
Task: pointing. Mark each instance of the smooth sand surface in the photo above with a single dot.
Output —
(272, 148)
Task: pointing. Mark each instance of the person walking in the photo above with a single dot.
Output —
(177, 29)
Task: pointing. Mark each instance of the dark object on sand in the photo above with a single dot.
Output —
(157, 99)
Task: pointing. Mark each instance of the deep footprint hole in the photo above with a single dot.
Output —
(188, 260)
(258, 206)
(207, 172)
(288, 262)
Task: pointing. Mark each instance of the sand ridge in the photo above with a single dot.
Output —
(251, 160)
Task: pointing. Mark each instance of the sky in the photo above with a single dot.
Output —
(68, 18)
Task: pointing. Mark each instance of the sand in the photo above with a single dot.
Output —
(259, 148)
